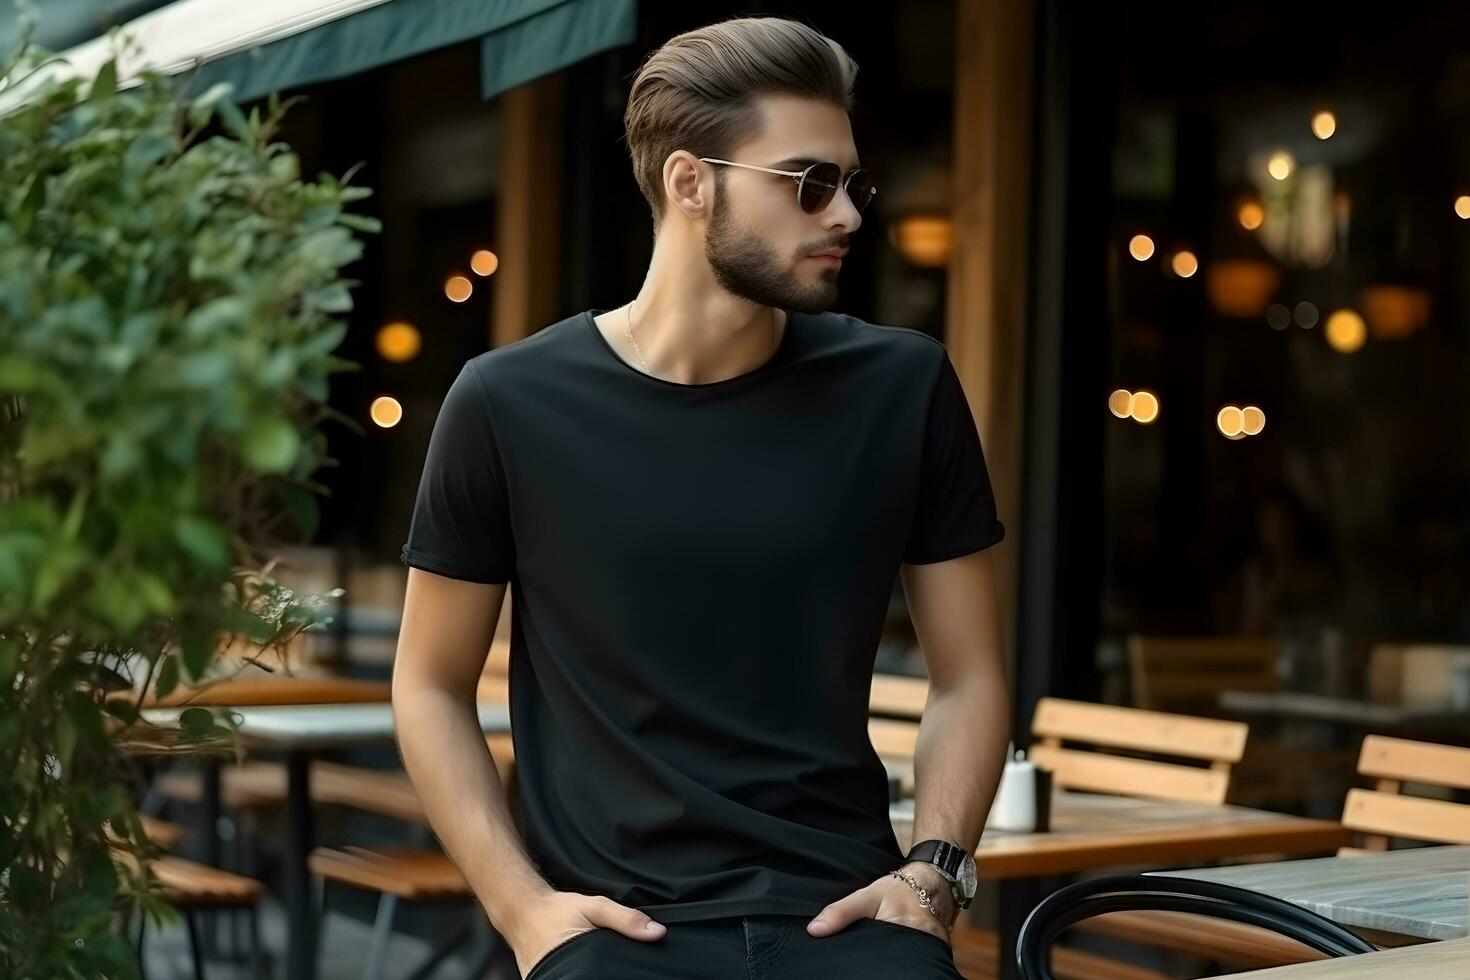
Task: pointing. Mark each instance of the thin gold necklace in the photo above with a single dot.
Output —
(628, 329)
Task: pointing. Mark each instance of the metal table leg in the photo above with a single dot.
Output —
(211, 811)
(1018, 896)
(301, 920)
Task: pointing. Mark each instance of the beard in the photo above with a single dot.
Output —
(747, 265)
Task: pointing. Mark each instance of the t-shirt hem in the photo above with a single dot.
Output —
(438, 566)
(994, 536)
(727, 907)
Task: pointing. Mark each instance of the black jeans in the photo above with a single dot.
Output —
(753, 947)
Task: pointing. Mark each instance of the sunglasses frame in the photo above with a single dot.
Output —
(800, 177)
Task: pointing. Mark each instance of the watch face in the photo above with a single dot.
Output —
(966, 877)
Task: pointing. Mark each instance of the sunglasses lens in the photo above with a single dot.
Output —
(860, 188)
(818, 187)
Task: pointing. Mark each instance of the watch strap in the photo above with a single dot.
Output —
(942, 854)
(947, 858)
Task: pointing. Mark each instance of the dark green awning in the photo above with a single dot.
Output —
(520, 39)
(555, 37)
(60, 24)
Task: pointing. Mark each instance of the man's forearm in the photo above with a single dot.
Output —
(959, 757)
(452, 770)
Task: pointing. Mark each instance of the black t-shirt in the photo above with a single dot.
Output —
(699, 577)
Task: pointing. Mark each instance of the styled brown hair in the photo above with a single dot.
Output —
(697, 92)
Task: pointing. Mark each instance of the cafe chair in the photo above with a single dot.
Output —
(195, 889)
(1118, 893)
(411, 872)
(1186, 674)
(1103, 748)
(1385, 813)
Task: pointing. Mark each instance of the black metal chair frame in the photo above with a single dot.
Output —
(1137, 892)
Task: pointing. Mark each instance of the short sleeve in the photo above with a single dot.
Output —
(955, 511)
(461, 523)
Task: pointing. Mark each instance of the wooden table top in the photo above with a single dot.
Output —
(291, 689)
(1422, 892)
(1444, 959)
(1097, 831)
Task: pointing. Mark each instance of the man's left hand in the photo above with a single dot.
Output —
(892, 900)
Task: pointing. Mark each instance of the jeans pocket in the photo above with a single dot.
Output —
(914, 929)
(556, 950)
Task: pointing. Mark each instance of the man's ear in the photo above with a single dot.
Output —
(684, 186)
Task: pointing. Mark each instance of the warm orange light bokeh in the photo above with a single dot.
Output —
(458, 288)
(386, 411)
(398, 342)
(484, 262)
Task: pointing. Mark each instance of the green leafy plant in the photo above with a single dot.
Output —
(170, 297)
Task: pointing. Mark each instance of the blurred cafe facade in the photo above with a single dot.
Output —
(1203, 268)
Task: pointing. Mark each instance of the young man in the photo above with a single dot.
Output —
(703, 498)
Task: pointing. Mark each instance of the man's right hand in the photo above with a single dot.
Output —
(546, 923)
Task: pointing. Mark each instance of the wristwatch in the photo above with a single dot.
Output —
(955, 863)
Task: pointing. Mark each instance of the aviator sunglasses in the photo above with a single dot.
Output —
(817, 184)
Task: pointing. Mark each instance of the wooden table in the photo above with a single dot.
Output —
(1422, 893)
(1444, 959)
(253, 688)
(1091, 831)
(299, 732)
(258, 689)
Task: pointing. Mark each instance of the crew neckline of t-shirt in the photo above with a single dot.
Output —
(777, 356)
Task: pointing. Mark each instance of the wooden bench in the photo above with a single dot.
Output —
(1211, 747)
(1384, 812)
(412, 873)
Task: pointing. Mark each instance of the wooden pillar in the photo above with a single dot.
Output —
(528, 216)
(986, 303)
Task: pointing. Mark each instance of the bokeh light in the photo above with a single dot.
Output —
(386, 411)
(1145, 407)
(1251, 215)
(1229, 421)
(1346, 331)
(484, 262)
(398, 342)
(458, 288)
(1280, 165)
(1252, 420)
